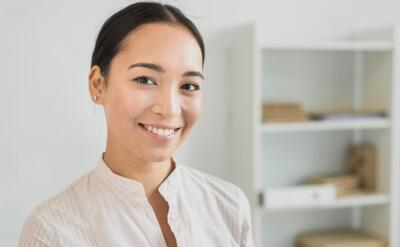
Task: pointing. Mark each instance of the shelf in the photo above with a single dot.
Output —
(326, 125)
(330, 45)
(356, 75)
(342, 202)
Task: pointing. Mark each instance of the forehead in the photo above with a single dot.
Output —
(162, 43)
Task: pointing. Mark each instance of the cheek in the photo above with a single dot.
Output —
(135, 104)
(128, 106)
(192, 109)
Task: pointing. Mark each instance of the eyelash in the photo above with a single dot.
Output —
(140, 81)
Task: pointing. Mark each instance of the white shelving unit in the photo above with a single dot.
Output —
(361, 73)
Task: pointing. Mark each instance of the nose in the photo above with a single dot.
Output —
(168, 103)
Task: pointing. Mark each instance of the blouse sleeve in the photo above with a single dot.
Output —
(246, 238)
(36, 232)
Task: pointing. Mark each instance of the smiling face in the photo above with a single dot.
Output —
(154, 81)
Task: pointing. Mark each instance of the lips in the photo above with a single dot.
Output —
(160, 135)
(159, 126)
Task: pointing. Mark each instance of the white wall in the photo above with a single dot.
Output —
(50, 132)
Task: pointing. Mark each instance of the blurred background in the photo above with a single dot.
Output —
(51, 133)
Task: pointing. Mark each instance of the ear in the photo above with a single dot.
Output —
(96, 84)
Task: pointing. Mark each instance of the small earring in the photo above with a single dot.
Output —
(95, 98)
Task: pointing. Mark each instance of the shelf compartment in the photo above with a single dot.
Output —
(330, 45)
(342, 202)
(325, 125)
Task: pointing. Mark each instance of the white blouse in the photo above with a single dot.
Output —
(105, 209)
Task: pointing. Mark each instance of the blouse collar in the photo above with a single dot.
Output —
(133, 188)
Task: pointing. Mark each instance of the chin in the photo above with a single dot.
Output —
(158, 157)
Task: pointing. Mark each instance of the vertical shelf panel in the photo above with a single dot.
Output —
(246, 118)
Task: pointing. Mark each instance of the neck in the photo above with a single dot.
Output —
(125, 163)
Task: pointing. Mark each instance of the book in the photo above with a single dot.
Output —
(345, 184)
(283, 112)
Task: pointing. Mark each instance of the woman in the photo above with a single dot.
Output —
(147, 74)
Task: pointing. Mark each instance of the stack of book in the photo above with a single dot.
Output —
(346, 184)
(361, 175)
(340, 238)
(283, 112)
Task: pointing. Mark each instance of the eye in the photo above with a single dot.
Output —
(144, 80)
(191, 87)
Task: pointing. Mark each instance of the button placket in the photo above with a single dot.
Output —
(174, 219)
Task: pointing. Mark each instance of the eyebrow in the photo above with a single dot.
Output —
(159, 69)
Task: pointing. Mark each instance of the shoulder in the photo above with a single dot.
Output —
(53, 216)
(36, 231)
(65, 203)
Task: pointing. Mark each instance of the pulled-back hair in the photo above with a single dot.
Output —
(120, 24)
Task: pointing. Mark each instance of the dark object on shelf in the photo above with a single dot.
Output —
(361, 160)
(340, 238)
(347, 115)
(283, 112)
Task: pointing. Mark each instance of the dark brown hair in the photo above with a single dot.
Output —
(120, 24)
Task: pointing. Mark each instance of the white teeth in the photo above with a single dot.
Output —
(159, 131)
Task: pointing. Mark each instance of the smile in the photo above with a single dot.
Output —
(159, 134)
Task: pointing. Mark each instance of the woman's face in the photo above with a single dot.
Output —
(153, 96)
